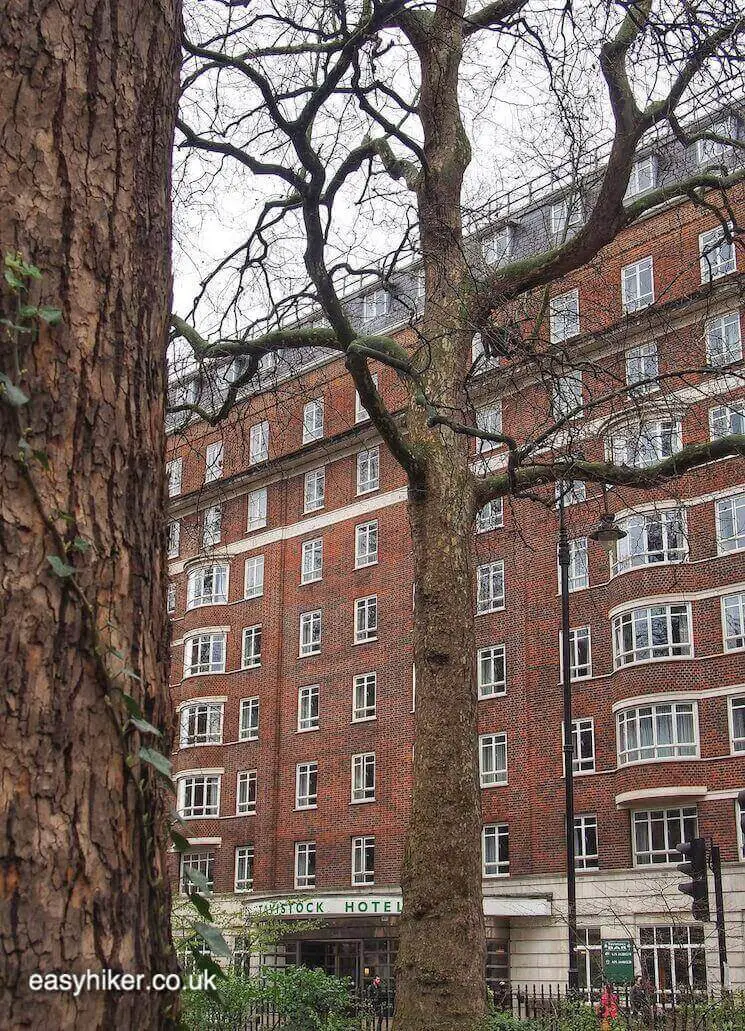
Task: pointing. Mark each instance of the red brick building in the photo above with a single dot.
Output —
(292, 594)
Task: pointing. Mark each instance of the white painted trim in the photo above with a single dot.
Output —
(201, 630)
(204, 841)
(201, 700)
(307, 527)
(627, 799)
(673, 696)
(201, 771)
(682, 597)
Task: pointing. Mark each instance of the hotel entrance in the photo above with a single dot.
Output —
(361, 959)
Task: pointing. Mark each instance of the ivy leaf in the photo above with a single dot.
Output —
(13, 281)
(133, 675)
(208, 964)
(213, 936)
(180, 842)
(144, 727)
(52, 316)
(201, 905)
(60, 568)
(13, 394)
(157, 760)
(81, 544)
(131, 705)
(199, 880)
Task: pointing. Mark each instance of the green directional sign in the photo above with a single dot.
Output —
(618, 960)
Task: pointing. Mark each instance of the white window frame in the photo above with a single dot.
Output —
(635, 294)
(363, 873)
(310, 642)
(583, 729)
(363, 778)
(718, 258)
(305, 859)
(564, 316)
(246, 789)
(253, 576)
(640, 618)
(174, 476)
(251, 647)
(584, 858)
(306, 786)
(256, 509)
(244, 863)
(206, 712)
(366, 544)
(198, 580)
(723, 336)
(491, 746)
(248, 726)
(209, 784)
(376, 304)
(625, 446)
(578, 573)
(314, 490)
(643, 368)
(565, 216)
(736, 741)
(736, 542)
(632, 751)
(480, 359)
(497, 247)
(491, 658)
(668, 523)
(366, 619)
(735, 604)
(725, 420)
(213, 461)
(200, 861)
(489, 420)
(216, 643)
(313, 420)
(368, 470)
(212, 526)
(498, 834)
(308, 708)
(360, 412)
(362, 710)
(567, 396)
(643, 177)
(311, 561)
(258, 442)
(490, 516)
(673, 820)
(577, 670)
(489, 596)
(571, 492)
(173, 538)
(171, 599)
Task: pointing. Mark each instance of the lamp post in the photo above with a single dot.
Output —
(607, 534)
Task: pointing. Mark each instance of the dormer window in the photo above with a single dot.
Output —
(498, 246)
(643, 177)
(566, 216)
(376, 304)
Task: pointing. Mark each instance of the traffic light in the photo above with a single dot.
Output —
(741, 811)
(695, 868)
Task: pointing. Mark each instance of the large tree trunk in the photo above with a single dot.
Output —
(89, 91)
(440, 977)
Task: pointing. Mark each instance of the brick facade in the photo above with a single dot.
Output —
(531, 802)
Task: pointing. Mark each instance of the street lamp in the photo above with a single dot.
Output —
(608, 533)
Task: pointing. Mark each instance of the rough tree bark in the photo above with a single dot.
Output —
(89, 91)
(440, 972)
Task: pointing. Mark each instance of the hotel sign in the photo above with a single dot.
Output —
(385, 905)
(329, 905)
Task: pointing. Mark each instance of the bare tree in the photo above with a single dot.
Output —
(89, 102)
(375, 109)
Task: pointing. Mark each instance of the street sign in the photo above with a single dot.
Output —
(618, 960)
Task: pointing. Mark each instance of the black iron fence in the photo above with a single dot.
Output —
(555, 1008)
(543, 1007)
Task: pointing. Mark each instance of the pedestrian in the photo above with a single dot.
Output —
(608, 1004)
(377, 996)
(640, 1000)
